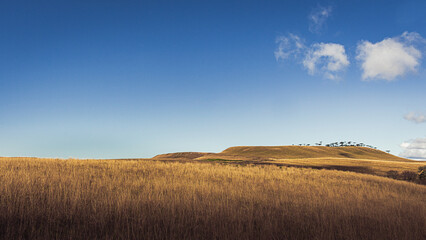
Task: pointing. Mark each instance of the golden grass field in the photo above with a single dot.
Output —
(153, 199)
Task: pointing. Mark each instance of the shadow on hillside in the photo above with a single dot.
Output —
(259, 162)
(357, 169)
(335, 167)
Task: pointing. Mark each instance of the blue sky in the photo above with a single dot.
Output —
(116, 79)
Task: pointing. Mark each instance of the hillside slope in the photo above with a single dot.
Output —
(293, 152)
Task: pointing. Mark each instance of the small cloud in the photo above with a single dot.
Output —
(288, 46)
(417, 118)
(318, 17)
(412, 37)
(414, 149)
(390, 58)
(326, 58)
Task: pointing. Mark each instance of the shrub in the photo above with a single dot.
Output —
(422, 168)
(408, 176)
(422, 175)
(392, 174)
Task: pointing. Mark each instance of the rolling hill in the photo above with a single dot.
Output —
(292, 152)
(354, 159)
(287, 152)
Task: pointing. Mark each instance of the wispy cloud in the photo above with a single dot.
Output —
(415, 117)
(415, 149)
(288, 46)
(318, 18)
(326, 58)
(390, 58)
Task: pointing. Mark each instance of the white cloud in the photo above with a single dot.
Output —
(390, 58)
(417, 118)
(326, 58)
(415, 149)
(412, 37)
(318, 17)
(288, 46)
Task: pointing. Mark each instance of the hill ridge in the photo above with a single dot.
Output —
(291, 152)
(288, 152)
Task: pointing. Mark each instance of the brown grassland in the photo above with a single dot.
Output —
(152, 199)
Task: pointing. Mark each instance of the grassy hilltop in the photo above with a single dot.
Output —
(290, 152)
(196, 196)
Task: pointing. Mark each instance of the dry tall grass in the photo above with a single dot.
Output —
(98, 199)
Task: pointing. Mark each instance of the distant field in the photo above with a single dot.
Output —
(148, 199)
